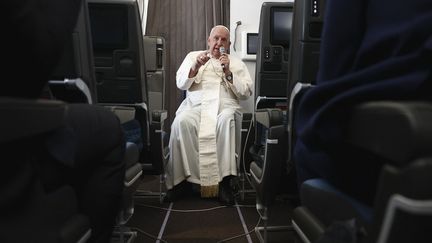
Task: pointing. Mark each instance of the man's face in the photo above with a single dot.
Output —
(218, 38)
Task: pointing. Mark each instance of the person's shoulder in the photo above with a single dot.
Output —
(235, 59)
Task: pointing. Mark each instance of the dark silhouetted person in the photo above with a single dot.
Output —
(86, 152)
(371, 50)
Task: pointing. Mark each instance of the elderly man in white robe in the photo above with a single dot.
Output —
(202, 142)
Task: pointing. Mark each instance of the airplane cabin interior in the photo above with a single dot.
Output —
(108, 61)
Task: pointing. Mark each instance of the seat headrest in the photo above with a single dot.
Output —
(398, 131)
(28, 117)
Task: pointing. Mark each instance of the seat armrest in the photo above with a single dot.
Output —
(269, 117)
(265, 179)
(71, 90)
(159, 116)
(398, 131)
(298, 90)
(158, 146)
(296, 93)
(131, 156)
(124, 113)
(247, 116)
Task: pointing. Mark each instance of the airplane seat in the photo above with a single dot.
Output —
(267, 169)
(269, 153)
(74, 81)
(155, 61)
(303, 58)
(391, 132)
(122, 79)
(402, 197)
(134, 144)
(45, 214)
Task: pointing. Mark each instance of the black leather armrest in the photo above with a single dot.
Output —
(267, 174)
(131, 154)
(71, 90)
(159, 144)
(398, 131)
(159, 115)
(247, 116)
(269, 117)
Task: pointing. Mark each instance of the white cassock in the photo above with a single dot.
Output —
(202, 141)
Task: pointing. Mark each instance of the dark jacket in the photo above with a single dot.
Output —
(370, 50)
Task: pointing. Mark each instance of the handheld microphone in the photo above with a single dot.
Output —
(222, 51)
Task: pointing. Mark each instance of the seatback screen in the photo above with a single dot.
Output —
(109, 26)
(281, 21)
(252, 43)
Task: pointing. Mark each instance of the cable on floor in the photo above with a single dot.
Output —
(241, 235)
(188, 210)
(148, 234)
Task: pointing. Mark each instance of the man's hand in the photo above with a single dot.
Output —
(225, 62)
(201, 59)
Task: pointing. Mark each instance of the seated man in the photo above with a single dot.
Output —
(87, 152)
(370, 50)
(202, 142)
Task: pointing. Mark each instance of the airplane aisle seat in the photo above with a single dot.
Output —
(269, 153)
(122, 79)
(134, 169)
(273, 134)
(268, 169)
(396, 132)
(30, 202)
(74, 91)
(402, 209)
(72, 81)
(155, 61)
(157, 153)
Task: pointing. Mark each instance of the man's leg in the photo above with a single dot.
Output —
(226, 154)
(183, 162)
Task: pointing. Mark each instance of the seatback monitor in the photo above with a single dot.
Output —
(251, 43)
(109, 26)
(281, 19)
(118, 51)
(273, 48)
